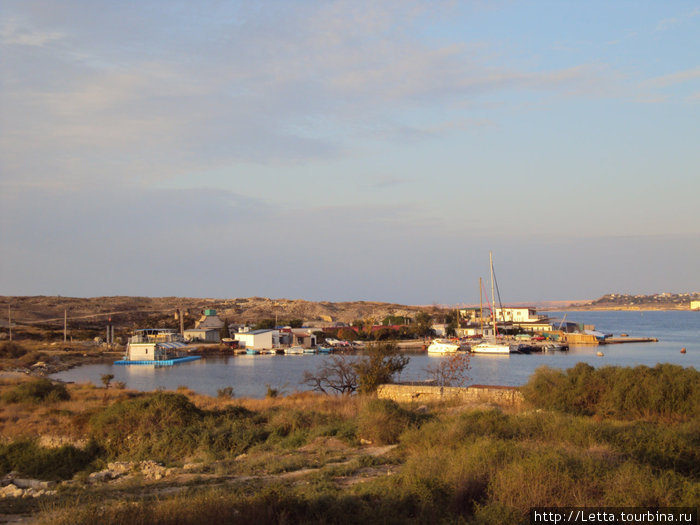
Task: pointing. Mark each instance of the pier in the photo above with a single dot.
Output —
(620, 340)
(160, 362)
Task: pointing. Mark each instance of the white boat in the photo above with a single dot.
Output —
(294, 350)
(446, 346)
(494, 347)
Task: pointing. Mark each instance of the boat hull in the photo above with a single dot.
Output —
(492, 348)
(446, 347)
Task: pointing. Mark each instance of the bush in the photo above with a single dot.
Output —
(382, 421)
(165, 427)
(29, 459)
(37, 391)
(666, 390)
(12, 350)
(225, 392)
(382, 362)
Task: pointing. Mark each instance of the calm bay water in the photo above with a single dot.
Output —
(250, 375)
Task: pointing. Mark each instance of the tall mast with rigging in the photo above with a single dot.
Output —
(493, 297)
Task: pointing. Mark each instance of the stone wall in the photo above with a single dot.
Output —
(500, 395)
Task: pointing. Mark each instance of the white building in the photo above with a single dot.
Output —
(258, 339)
(518, 315)
(695, 305)
(303, 337)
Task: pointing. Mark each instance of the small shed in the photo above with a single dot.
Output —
(206, 335)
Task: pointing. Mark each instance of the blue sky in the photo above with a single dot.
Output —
(349, 150)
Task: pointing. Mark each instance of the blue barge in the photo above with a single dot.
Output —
(156, 346)
(160, 362)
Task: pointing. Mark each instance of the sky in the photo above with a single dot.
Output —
(349, 150)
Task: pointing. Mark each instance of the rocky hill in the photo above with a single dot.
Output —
(127, 311)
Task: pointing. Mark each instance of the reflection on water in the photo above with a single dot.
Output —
(249, 375)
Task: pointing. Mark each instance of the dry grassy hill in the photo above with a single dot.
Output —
(93, 312)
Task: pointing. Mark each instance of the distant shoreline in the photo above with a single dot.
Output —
(617, 308)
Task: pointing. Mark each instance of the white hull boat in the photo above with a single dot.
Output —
(442, 346)
(494, 348)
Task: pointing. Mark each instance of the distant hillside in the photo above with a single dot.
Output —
(662, 301)
(93, 312)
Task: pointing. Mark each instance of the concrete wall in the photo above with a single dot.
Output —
(501, 395)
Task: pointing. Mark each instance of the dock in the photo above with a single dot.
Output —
(620, 340)
(162, 362)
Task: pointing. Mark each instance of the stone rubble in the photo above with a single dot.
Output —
(12, 486)
(148, 469)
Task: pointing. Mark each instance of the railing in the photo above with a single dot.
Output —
(167, 337)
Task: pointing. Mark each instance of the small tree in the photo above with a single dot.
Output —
(452, 319)
(336, 375)
(348, 334)
(382, 362)
(450, 371)
(424, 321)
(106, 379)
(345, 374)
(224, 332)
(265, 324)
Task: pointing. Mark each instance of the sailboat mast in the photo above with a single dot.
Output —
(481, 308)
(493, 297)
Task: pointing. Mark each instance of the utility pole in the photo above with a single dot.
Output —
(65, 325)
(9, 319)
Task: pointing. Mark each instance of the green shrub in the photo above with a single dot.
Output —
(166, 426)
(382, 421)
(37, 391)
(668, 391)
(225, 392)
(11, 350)
(29, 459)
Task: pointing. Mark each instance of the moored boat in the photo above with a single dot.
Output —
(447, 346)
(494, 347)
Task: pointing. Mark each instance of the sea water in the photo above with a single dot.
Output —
(250, 375)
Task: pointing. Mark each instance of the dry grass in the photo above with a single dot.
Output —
(58, 419)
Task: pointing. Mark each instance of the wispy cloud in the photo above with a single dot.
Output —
(667, 24)
(14, 33)
(672, 79)
(388, 181)
(255, 84)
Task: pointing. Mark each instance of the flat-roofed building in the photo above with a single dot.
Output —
(258, 339)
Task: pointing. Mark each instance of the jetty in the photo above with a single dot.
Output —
(159, 362)
(620, 340)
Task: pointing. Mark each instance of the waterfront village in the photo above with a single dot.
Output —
(509, 330)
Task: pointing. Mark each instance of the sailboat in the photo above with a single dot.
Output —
(493, 345)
